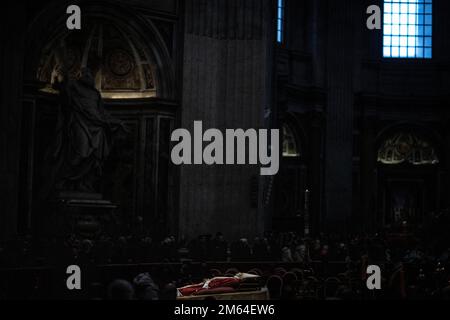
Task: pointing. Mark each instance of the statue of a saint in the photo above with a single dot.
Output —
(84, 131)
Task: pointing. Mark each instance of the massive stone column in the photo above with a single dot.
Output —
(227, 85)
(315, 176)
(340, 100)
(11, 60)
(446, 183)
(367, 216)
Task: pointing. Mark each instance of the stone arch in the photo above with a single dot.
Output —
(292, 180)
(296, 132)
(409, 167)
(43, 36)
(408, 143)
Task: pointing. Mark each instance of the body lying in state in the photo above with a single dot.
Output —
(217, 285)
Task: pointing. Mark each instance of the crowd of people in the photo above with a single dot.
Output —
(291, 266)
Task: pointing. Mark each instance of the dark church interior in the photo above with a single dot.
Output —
(87, 178)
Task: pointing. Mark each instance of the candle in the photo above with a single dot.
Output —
(306, 212)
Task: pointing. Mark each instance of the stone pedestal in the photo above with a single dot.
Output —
(83, 214)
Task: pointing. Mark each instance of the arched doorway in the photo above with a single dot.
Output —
(135, 80)
(290, 183)
(408, 163)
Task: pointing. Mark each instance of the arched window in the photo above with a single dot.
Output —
(407, 148)
(290, 145)
(407, 31)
